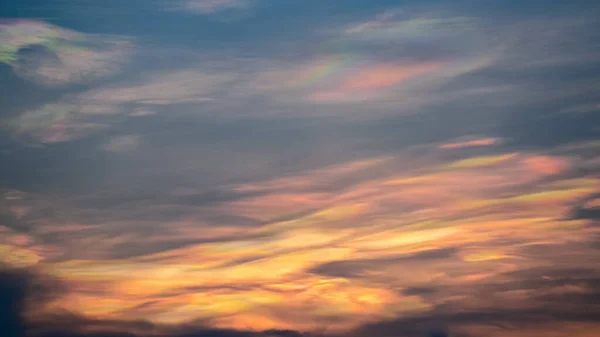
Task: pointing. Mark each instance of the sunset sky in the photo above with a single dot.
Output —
(289, 168)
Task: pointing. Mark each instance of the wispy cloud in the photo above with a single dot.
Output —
(184, 86)
(122, 144)
(471, 143)
(76, 115)
(211, 6)
(390, 58)
(51, 123)
(371, 80)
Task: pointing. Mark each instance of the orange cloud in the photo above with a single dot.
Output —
(547, 165)
(340, 250)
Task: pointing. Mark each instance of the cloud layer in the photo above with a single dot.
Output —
(314, 168)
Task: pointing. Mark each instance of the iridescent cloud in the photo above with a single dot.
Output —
(367, 81)
(51, 55)
(394, 58)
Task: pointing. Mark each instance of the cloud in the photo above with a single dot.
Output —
(142, 113)
(251, 194)
(123, 144)
(21, 289)
(349, 269)
(418, 291)
(574, 305)
(581, 108)
(185, 254)
(586, 208)
(211, 6)
(159, 89)
(54, 56)
(391, 60)
(12, 301)
(396, 63)
(471, 143)
(75, 116)
(51, 123)
(367, 81)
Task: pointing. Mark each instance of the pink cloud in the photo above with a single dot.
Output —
(365, 82)
(470, 143)
(385, 75)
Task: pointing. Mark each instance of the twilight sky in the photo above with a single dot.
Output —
(289, 168)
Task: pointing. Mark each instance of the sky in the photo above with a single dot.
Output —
(300, 168)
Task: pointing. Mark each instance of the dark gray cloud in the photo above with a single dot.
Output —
(418, 291)
(11, 221)
(20, 288)
(354, 268)
(582, 210)
(12, 301)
